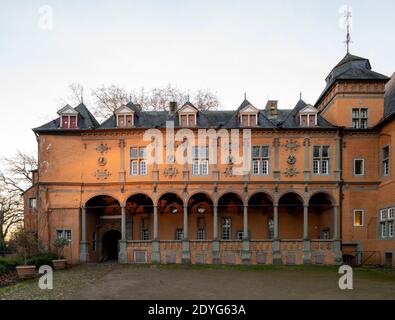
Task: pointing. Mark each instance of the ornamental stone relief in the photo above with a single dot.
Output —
(102, 148)
(291, 145)
(170, 172)
(102, 174)
(291, 172)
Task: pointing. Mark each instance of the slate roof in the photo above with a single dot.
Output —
(351, 68)
(86, 120)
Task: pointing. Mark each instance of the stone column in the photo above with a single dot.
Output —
(276, 242)
(186, 254)
(306, 241)
(122, 255)
(215, 244)
(245, 255)
(305, 222)
(337, 254)
(155, 242)
(84, 248)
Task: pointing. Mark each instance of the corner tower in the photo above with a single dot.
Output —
(354, 94)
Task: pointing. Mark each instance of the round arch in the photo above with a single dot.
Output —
(100, 195)
(315, 197)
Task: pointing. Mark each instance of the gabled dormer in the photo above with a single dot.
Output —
(68, 117)
(248, 116)
(308, 116)
(187, 115)
(125, 117)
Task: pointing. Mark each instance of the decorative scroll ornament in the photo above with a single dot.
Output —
(291, 160)
(291, 145)
(102, 148)
(102, 161)
(102, 174)
(170, 172)
(291, 172)
(229, 171)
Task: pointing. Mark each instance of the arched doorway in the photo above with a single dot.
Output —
(260, 216)
(321, 216)
(139, 217)
(170, 217)
(290, 216)
(230, 217)
(111, 245)
(200, 216)
(103, 214)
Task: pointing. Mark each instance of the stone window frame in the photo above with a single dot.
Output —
(30, 205)
(140, 160)
(359, 118)
(179, 234)
(261, 159)
(363, 167)
(198, 162)
(222, 228)
(382, 161)
(64, 230)
(363, 217)
(386, 223)
(320, 158)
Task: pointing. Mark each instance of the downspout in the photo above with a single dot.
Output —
(341, 183)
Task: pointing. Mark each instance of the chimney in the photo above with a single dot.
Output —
(173, 107)
(271, 109)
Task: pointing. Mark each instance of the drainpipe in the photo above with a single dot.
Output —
(341, 183)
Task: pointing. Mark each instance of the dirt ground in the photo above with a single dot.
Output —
(113, 281)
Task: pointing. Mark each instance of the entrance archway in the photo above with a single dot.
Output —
(111, 245)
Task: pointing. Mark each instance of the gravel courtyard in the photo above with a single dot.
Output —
(113, 281)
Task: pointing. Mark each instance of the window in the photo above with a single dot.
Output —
(260, 160)
(385, 162)
(93, 241)
(138, 162)
(200, 161)
(358, 218)
(239, 235)
(325, 234)
(308, 119)
(64, 233)
(32, 203)
(387, 222)
(125, 120)
(321, 160)
(201, 234)
(226, 228)
(187, 120)
(359, 167)
(144, 230)
(248, 120)
(359, 118)
(69, 122)
(179, 234)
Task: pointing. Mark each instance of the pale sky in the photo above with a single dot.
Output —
(269, 49)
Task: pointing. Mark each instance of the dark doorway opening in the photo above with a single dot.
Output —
(111, 245)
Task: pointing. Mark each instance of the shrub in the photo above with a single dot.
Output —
(9, 263)
(26, 244)
(59, 245)
(41, 260)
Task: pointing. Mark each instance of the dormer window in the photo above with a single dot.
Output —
(248, 116)
(69, 122)
(308, 116)
(125, 117)
(187, 115)
(68, 117)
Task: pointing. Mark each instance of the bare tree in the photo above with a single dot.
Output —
(17, 174)
(204, 100)
(14, 180)
(107, 100)
(11, 210)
